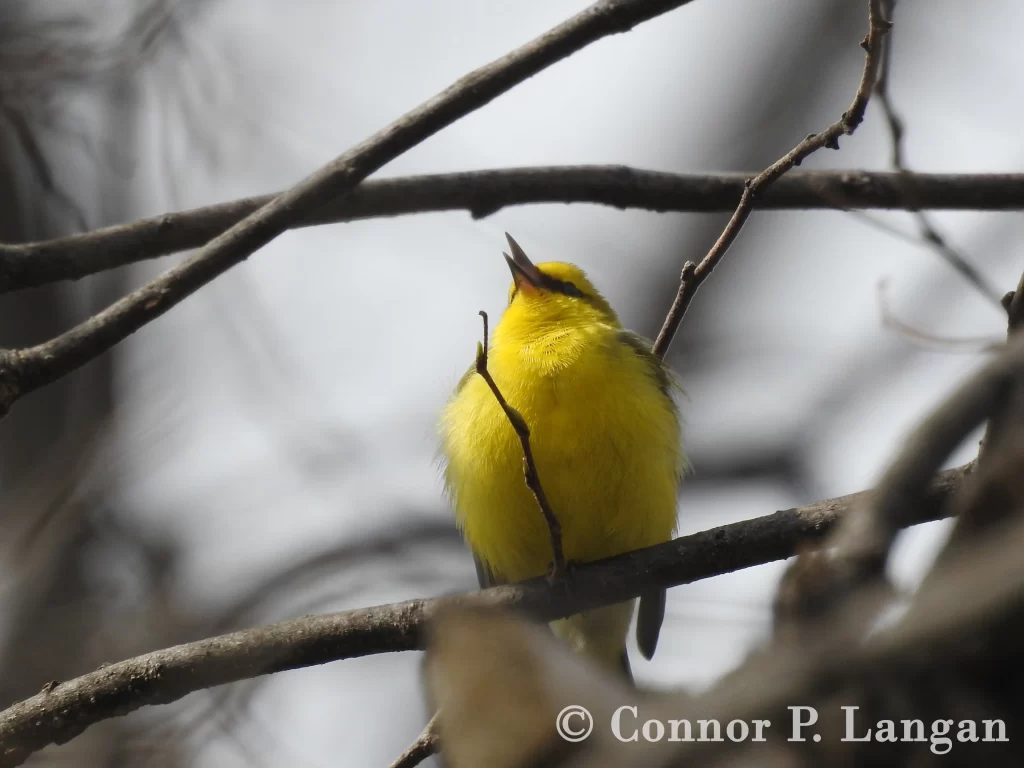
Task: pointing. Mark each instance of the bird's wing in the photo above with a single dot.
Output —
(661, 372)
(484, 576)
(662, 375)
(651, 613)
(465, 379)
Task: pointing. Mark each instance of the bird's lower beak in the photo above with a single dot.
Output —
(523, 270)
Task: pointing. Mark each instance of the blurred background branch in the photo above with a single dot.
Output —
(944, 655)
(928, 232)
(63, 710)
(265, 450)
(22, 371)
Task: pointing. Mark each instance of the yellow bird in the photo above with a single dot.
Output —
(605, 435)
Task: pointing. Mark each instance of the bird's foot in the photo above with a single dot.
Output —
(559, 570)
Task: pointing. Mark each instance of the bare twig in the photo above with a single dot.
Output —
(693, 275)
(22, 371)
(483, 193)
(529, 465)
(426, 744)
(929, 234)
(59, 715)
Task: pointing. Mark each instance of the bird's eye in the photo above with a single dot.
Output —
(571, 290)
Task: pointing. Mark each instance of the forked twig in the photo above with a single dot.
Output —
(926, 228)
(529, 465)
(693, 275)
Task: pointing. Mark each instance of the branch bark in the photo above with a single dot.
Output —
(693, 275)
(483, 193)
(23, 371)
(426, 744)
(862, 543)
(61, 712)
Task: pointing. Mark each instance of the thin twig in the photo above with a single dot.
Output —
(693, 275)
(62, 713)
(928, 232)
(928, 340)
(529, 465)
(22, 371)
(483, 193)
(426, 744)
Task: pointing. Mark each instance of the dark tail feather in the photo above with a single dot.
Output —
(648, 621)
(626, 670)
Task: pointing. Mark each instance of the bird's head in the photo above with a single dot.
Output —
(552, 294)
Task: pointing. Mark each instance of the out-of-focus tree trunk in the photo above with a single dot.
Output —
(63, 602)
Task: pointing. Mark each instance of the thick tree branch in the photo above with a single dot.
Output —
(862, 543)
(61, 712)
(22, 371)
(483, 193)
(693, 275)
(984, 505)
(426, 744)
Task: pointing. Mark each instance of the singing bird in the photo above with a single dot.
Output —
(605, 435)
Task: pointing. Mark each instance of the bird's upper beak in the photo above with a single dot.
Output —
(523, 270)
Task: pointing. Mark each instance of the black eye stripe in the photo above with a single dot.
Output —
(571, 290)
(555, 285)
(565, 287)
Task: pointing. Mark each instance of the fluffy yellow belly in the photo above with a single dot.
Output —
(606, 443)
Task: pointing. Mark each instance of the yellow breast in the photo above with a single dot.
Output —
(605, 438)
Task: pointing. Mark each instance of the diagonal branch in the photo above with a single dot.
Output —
(693, 275)
(426, 744)
(483, 193)
(61, 712)
(862, 543)
(22, 371)
(522, 431)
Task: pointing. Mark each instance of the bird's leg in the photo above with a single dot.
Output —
(555, 573)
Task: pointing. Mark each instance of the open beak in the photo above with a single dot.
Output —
(523, 270)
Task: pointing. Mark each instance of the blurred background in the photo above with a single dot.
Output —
(267, 449)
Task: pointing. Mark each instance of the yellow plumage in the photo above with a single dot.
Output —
(605, 438)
